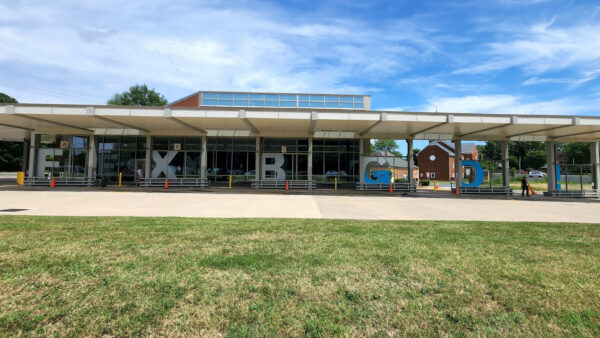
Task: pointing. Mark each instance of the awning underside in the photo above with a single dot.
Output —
(18, 121)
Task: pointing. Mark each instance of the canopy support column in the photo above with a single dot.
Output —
(203, 159)
(505, 163)
(595, 157)
(409, 159)
(32, 147)
(148, 163)
(551, 165)
(25, 161)
(257, 160)
(364, 146)
(458, 163)
(309, 170)
(92, 157)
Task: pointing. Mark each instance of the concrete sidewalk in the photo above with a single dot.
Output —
(289, 205)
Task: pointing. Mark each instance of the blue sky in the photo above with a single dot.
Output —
(494, 56)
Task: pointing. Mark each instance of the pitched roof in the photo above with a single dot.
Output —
(448, 146)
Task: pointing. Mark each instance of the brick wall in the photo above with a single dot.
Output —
(441, 166)
(189, 102)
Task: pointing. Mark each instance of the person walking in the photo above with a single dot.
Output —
(524, 187)
(138, 176)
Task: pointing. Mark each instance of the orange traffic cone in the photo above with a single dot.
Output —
(287, 185)
(52, 183)
(457, 191)
(167, 183)
(532, 191)
(391, 187)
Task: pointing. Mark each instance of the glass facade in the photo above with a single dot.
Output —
(120, 154)
(295, 157)
(181, 156)
(336, 158)
(62, 156)
(235, 156)
(283, 100)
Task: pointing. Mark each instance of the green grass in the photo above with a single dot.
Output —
(272, 277)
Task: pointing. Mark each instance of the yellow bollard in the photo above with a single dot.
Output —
(120, 178)
(229, 181)
(335, 180)
(20, 178)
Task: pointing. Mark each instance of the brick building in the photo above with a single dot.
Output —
(436, 161)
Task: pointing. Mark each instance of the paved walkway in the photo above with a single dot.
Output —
(303, 205)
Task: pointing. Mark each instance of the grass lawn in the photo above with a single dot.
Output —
(267, 277)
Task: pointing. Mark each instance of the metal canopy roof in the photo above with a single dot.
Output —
(18, 120)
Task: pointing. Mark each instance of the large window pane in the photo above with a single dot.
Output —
(79, 161)
(239, 163)
(193, 143)
(287, 104)
(177, 164)
(79, 142)
(127, 165)
(225, 96)
(160, 143)
(128, 143)
(209, 96)
(318, 159)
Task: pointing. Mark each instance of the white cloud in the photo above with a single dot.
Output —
(540, 48)
(509, 104)
(203, 47)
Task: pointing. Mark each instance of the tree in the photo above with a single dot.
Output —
(575, 152)
(490, 150)
(387, 145)
(138, 95)
(415, 152)
(535, 159)
(7, 99)
(11, 153)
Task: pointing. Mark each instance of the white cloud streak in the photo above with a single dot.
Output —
(509, 104)
(206, 47)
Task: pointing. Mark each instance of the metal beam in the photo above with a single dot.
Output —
(449, 119)
(187, 125)
(485, 129)
(314, 116)
(382, 118)
(55, 123)
(575, 134)
(539, 130)
(11, 126)
(126, 125)
(242, 116)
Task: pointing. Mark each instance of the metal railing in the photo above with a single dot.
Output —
(485, 190)
(400, 187)
(175, 182)
(266, 184)
(594, 193)
(68, 181)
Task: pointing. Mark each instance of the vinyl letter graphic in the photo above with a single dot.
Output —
(162, 164)
(278, 161)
